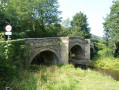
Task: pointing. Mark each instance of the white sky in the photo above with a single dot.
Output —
(95, 10)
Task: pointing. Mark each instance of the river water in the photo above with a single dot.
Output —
(109, 72)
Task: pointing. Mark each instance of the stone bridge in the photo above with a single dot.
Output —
(58, 50)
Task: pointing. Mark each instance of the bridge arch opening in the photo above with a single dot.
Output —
(46, 57)
(76, 52)
(92, 53)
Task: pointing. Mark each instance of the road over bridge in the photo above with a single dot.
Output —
(58, 50)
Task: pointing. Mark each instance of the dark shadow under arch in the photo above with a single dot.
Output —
(76, 52)
(46, 57)
(92, 53)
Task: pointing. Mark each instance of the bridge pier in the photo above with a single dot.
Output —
(87, 49)
(64, 53)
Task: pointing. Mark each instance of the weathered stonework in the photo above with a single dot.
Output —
(63, 47)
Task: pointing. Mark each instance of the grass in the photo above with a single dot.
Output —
(62, 77)
(106, 62)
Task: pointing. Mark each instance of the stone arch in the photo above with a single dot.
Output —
(76, 52)
(39, 51)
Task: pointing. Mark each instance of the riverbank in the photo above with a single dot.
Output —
(62, 77)
(106, 62)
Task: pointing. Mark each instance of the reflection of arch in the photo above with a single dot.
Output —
(38, 52)
(76, 52)
(92, 52)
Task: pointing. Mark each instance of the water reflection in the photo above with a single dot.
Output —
(110, 72)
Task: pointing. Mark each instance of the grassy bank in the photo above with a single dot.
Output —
(106, 62)
(62, 78)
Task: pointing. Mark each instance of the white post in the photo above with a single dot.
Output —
(8, 37)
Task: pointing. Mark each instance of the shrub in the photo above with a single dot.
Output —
(12, 57)
(105, 52)
(107, 62)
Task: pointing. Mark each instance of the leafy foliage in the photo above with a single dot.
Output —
(106, 62)
(29, 16)
(40, 18)
(66, 23)
(2, 36)
(111, 26)
(107, 52)
(12, 59)
(80, 26)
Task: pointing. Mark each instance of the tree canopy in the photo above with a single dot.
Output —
(80, 26)
(111, 25)
(40, 18)
(29, 17)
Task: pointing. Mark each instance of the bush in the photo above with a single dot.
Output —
(12, 57)
(105, 58)
(107, 52)
(107, 62)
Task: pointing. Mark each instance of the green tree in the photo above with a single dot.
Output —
(46, 12)
(66, 23)
(30, 17)
(64, 32)
(65, 28)
(111, 26)
(80, 26)
(3, 18)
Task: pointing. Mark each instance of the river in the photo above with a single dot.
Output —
(104, 71)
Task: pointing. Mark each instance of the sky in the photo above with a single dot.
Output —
(95, 10)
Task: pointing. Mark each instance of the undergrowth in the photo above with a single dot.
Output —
(107, 62)
(105, 58)
(62, 77)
